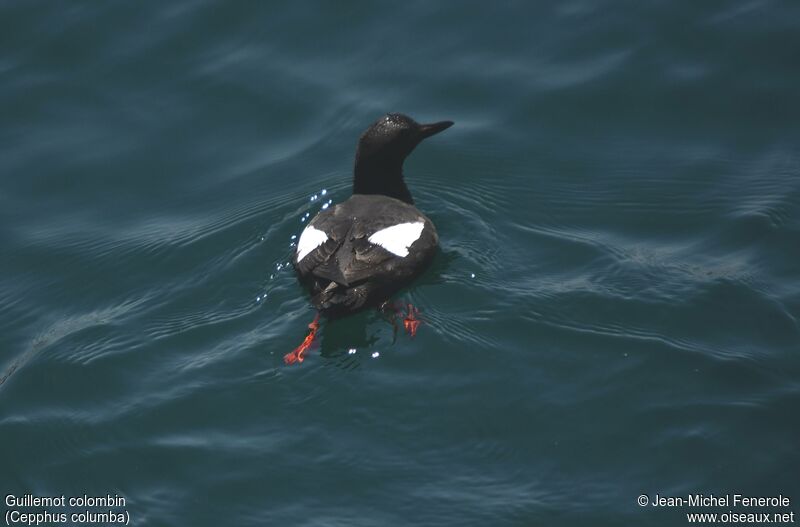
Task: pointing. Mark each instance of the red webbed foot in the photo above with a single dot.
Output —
(411, 322)
(296, 355)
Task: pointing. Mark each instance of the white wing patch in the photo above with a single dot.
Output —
(310, 239)
(398, 238)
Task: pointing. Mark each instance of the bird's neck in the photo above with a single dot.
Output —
(380, 178)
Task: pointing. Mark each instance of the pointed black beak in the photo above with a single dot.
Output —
(428, 130)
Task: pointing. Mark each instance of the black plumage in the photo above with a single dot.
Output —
(347, 272)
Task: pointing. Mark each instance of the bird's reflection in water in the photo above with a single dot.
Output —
(358, 332)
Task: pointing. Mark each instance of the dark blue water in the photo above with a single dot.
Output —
(614, 310)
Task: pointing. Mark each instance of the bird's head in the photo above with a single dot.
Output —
(382, 149)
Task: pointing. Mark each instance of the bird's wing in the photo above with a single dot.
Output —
(318, 244)
(346, 249)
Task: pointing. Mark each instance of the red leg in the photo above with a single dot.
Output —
(296, 355)
(411, 322)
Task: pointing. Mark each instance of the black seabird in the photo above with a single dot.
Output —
(358, 253)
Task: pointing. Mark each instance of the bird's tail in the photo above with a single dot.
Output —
(336, 299)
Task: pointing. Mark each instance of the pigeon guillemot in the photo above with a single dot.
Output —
(358, 253)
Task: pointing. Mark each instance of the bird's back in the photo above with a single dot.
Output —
(358, 253)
